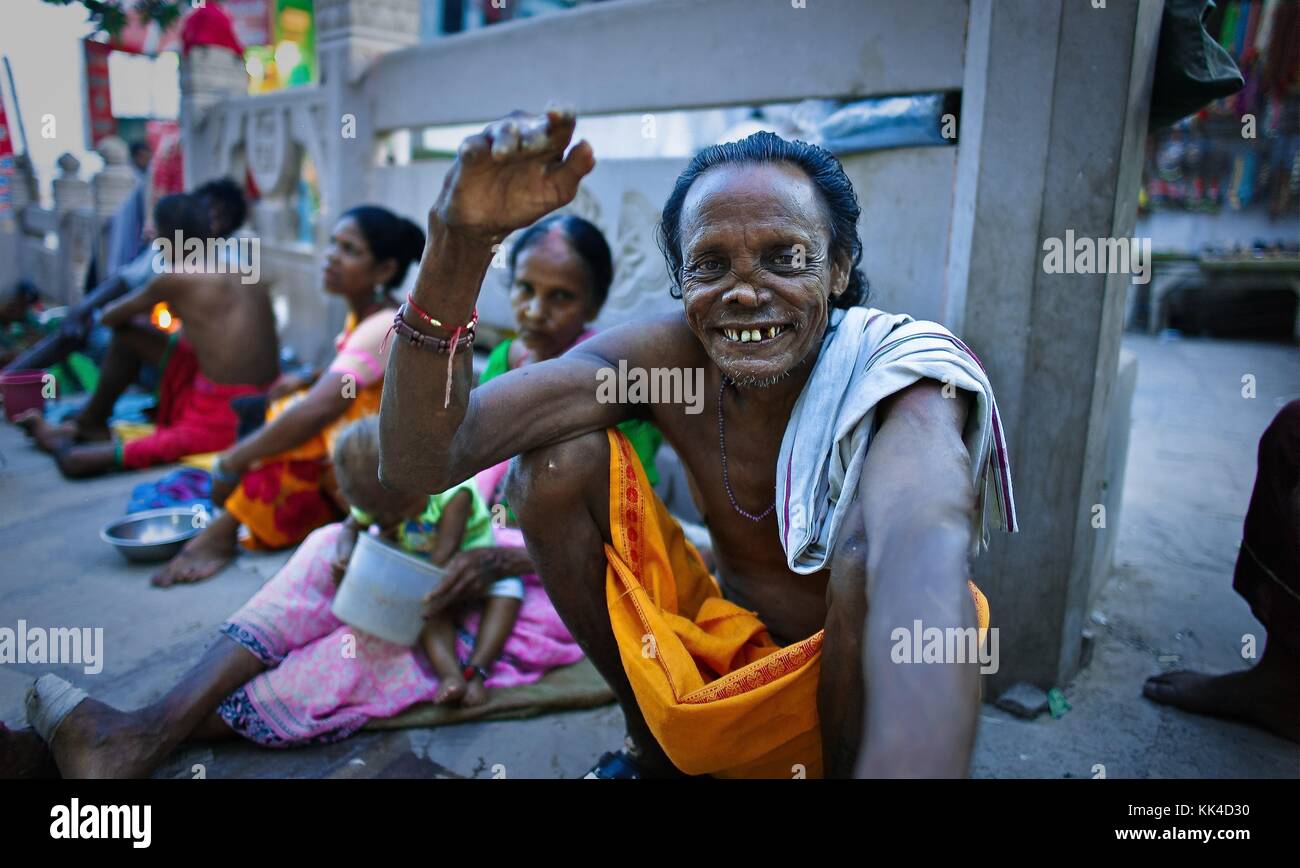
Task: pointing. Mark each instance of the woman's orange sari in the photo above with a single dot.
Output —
(289, 495)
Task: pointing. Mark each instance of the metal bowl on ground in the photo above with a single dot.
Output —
(154, 535)
(383, 590)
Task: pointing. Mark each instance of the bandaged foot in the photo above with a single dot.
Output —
(88, 739)
(49, 701)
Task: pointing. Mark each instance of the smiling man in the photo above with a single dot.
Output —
(845, 467)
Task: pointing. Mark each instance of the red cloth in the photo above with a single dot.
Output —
(167, 169)
(194, 414)
(209, 25)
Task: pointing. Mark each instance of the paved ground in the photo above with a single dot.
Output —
(1169, 603)
(1192, 460)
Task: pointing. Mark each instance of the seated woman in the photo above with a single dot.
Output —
(286, 672)
(277, 481)
(560, 272)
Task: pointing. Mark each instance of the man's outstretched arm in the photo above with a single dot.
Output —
(917, 500)
(510, 175)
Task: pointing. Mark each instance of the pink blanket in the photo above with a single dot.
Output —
(318, 688)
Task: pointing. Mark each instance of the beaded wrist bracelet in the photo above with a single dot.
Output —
(432, 343)
(462, 337)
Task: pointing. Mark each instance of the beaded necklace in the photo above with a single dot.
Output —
(726, 482)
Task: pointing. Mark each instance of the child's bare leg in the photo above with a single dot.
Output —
(439, 641)
(499, 614)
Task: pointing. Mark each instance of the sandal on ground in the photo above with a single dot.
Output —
(618, 765)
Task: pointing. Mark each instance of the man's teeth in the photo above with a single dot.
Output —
(745, 336)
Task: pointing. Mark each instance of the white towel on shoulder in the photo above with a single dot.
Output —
(870, 356)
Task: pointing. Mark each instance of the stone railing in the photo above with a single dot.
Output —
(52, 248)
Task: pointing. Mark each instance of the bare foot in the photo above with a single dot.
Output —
(450, 692)
(98, 741)
(1254, 696)
(24, 755)
(202, 557)
(89, 433)
(47, 437)
(475, 693)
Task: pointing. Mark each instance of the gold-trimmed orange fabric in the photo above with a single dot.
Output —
(719, 695)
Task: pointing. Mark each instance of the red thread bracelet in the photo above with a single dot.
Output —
(436, 323)
(470, 328)
(420, 312)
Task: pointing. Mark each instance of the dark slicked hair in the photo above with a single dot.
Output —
(389, 236)
(226, 198)
(821, 167)
(183, 213)
(586, 240)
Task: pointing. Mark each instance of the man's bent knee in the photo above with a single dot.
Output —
(559, 476)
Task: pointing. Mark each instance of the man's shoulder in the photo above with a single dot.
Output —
(665, 339)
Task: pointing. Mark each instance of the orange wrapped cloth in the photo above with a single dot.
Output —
(719, 695)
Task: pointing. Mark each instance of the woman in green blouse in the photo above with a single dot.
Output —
(560, 271)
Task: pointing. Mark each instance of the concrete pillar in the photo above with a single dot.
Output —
(113, 183)
(351, 35)
(209, 74)
(1053, 121)
(109, 189)
(15, 255)
(25, 187)
(70, 191)
(80, 226)
(9, 252)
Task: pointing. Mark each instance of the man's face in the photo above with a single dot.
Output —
(757, 275)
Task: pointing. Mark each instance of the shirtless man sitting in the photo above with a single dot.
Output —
(762, 246)
(227, 348)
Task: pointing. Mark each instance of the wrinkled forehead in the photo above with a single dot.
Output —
(749, 197)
